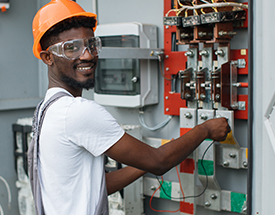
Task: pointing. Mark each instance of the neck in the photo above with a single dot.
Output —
(75, 92)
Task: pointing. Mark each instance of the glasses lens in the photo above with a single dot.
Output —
(94, 45)
(73, 48)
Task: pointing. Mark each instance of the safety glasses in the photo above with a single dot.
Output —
(73, 49)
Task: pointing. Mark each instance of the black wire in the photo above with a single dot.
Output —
(206, 185)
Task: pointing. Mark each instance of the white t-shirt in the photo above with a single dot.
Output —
(75, 134)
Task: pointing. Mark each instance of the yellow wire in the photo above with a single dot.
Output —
(202, 11)
(194, 5)
(180, 4)
(214, 8)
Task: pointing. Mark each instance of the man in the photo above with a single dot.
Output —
(77, 132)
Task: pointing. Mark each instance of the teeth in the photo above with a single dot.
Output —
(84, 68)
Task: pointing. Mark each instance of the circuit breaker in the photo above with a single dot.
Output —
(127, 74)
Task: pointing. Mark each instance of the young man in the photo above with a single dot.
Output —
(77, 132)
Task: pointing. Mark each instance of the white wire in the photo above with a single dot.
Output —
(206, 2)
(1, 210)
(156, 127)
(221, 4)
(8, 189)
(196, 7)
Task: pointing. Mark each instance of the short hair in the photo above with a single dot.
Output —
(51, 36)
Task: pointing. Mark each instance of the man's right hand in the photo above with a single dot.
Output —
(217, 128)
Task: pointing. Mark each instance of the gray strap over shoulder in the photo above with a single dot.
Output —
(33, 150)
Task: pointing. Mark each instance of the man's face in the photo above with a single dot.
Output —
(78, 73)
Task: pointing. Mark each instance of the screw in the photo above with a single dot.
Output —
(244, 209)
(189, 53)
(167, 69)
(166, 56)
(220, 52)
(225, 163)
(202, 96)
(188, 115)
(218, 85)
(217, 97)
(134, 79)
(203, 116)
(184, 35)
(207, 204)
(213, 196)
(166, 26)
(187, 95)
(153, 188)
(167, 109)
(204, 52)
(166, 97)
(202, 34)
(222, 33)
(232, 155)
(245, 164)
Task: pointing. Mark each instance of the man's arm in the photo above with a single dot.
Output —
(119, 179)
(133, 152)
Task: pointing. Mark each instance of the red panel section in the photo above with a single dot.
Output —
(242, 114)
(173, 103)
(187, 166)
(240, 54)
(186, 207)
(183, 131)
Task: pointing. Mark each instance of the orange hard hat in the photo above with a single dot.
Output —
(52, 13)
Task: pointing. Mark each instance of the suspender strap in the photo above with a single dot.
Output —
(34, 148)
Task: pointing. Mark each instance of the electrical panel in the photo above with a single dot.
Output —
(126, 74)
(205, 78)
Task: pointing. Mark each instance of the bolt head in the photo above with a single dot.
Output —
(245, 164)
(232, 155)
(213, 196)
(166, 97)
(167, 109)
(207, 204)
(225, 163)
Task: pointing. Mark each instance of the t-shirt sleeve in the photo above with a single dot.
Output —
(91, 126)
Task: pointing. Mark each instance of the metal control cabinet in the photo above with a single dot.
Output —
(126, 76)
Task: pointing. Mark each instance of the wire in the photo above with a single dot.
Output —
(182, 198)
(1, 210)
(8, 189)
(161, 71)
(212, 5)
(156, 127)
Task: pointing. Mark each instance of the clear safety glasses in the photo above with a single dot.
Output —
(73, 49)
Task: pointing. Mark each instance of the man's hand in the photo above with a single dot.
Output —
(217, 128)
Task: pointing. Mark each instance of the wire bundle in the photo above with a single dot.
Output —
(184, 197)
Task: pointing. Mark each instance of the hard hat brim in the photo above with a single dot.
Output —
(36, 45)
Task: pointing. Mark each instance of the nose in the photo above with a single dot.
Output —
(86, 55)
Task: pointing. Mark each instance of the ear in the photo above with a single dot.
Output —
(46, 57)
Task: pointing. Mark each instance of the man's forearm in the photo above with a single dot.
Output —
(119, 179)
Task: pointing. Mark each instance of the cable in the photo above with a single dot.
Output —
(212, 5)
(156, 127)
(161, 72)
(1, 210)
(8, 189)
(182, 198)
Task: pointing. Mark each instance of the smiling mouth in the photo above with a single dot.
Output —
(84, 68)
